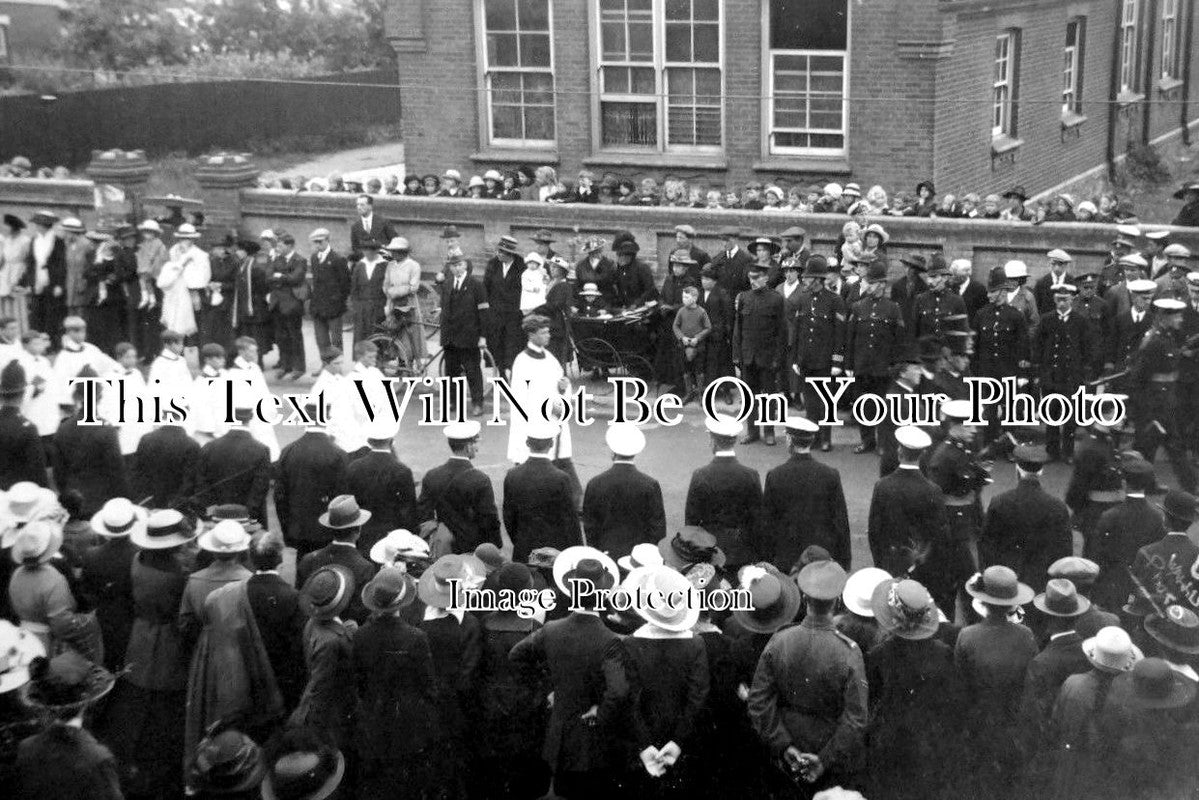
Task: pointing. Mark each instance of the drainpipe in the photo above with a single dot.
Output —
(1113, 111)
(1186, 72)
(1150, 73)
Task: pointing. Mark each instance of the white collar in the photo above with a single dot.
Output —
(241, 363)
(315, 429)
(1136, 495)
(648, 631)
(728, 453)
(545, 456)
(586, 612)
(266, 572)
(432, 612)
(1063, 633)
(909, 466)
(535, 348)
(168, 355)
(1178, 533)
(460, 458)
(343, 544)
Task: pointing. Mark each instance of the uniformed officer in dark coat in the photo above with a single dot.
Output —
(952, 465)
(22, 457)
(1063, 352)
(932, 307)
(1096, 483)
(164, 466)
(818, 347)
(732, 263)
(874, 333)
(808, 699)
(1121, 531)
(622, 506)
(1153, 380)
(907, 368)
(1026, 528)
(464, 310)
(724, 497)
(905, 290)
(718, 359)
(310, 473)
(803, 504)
(235, 468)
(87, 458)
(539, 506)
(1126, 328)
(501, 284)
(383, 485)
(1002, 347)
(759, 333)
(458, 495)
(907, 510)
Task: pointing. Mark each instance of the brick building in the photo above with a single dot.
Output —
(975, 94)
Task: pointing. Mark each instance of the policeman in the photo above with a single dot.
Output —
(907, 370)
(950, 376)
(724, 496)
(1173, 283)
(951, 465)
(759, 333)
(819, 340)
(1096, 484)
(1153, 376)
(874, 332)
(1188, 367)
(932, 307)
(1063, 351)
(907, 511)
(1090, 305)
(1002, 349)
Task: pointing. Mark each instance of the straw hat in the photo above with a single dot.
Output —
(666, 598)
(390, 590)
(119, 517)
(327, 592)
(225, 537)
(581, 562)
(905, 609)
(1111, 650)
(436, 582)
(642, 555)
(859, 589)
(18, 649)
(164, 528)
(398, 545)
(38, 542)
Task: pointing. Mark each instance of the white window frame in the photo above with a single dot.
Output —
(4, 24)
(1169, 63)
(1129, 44)
(1003, 85)
(768, 71)
(485, 72)
(1072, 67)
(661, 96)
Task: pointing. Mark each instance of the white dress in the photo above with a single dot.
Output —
(532, 288)
(182, 273)
(174, 381)
(535, 376)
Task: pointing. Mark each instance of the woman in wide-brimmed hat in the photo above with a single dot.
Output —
(857, 621)
(914, 691)
(993, 656)
(302, 765)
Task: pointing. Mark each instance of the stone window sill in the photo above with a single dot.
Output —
(502, 155)
(1125, 99)
(1072, 120)
(676, 160)
(1004, 144)
(1167, 85)
(833, 165)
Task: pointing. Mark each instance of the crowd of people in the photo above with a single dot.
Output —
(152, 646)
(21, 167)
(543, 184)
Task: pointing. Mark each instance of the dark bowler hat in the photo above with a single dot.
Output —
(12, 380)
(915, 261)
(450, 232)
(997, 279)
(1017, 191)
(1179, 504)
(1061, 599)
(937, 266)
(877, 270)
(1178, 629)
(1155, 684)
(691, 545)
(544, 236)
(817, 267)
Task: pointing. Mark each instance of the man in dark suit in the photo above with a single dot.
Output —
(1026, 528)
(22, 457)
(973, 293)
(87, 458)
(1126, 328)
(817, 349)
(235, 468)
(330, 290)
(718, 360)
(905, 290)
(1002, 347)
(1061, 657)
(276, 608)
(724, 496)
(633, 279)
(368, 226)
(459, 496)
(622, 506)
(907, 510)
(310, 473)
(759, 336)
(587, 677)
(343, 521)
(164, 466)
(366, 290)
(874, 333)
(1121, 532)
(539, 506)
(1059, 272)
(907, 369)
(382, 485)
(732, 263)
(501, 285)
(803, 504)
(464, 311)
(1062, 351)
(1166, 568)
(46, 275)
(251, 314)
(106, 580)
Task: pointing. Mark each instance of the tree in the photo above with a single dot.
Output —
(127, 34)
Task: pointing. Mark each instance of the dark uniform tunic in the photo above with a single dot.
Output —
(759, 337)
(872, 334)
(953, 558)
(931, 309)
(818, 347)
(1063, 352)
(1154, 379)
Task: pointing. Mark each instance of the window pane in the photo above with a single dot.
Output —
(539, 123)
(612, 41)
(678, 10)
(643, 80)
(629, 124)
(707, 44)
(808, 24)
(678, 42)
(501, 15)
(808, 102)
(506, 122)
(534, 15)
(706, 9)
(501, 50)
(535, 50)
(641, 40)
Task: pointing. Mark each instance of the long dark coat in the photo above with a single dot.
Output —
(622, 507)
(803, 504)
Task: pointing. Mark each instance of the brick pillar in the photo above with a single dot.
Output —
(128, 170)
(222, 176)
